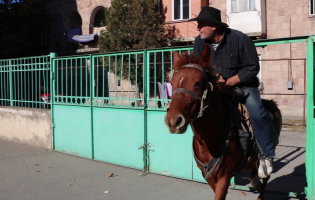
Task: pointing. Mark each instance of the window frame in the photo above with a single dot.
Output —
(311, 8)
(181, 11)
(257, 2)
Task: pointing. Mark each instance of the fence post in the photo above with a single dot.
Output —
(52, 77)
(92, 95)
(310, 139)
(146, 86)
(52, 94)
(11, 83)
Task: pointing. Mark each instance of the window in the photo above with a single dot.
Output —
(248, 16)
(181, 9)
(312, 7)
(242, 5)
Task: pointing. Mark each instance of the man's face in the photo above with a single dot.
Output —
(206, 30)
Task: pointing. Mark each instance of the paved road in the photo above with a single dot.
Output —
(31, 173)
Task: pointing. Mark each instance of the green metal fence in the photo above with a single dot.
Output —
(159, 73)
(25, 82)
(99, 99)
(118, 79)
(310, 139)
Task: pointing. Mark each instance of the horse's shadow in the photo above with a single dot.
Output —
(289, 173)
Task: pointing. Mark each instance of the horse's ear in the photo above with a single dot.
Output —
(205, 56)
(176, 58)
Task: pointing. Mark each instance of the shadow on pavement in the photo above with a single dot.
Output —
(289, 173)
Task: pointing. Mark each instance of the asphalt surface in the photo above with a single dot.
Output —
(32, 173)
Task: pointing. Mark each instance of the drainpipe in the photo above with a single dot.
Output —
(204, 3)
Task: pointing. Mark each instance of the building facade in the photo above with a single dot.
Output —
(73, 17)
(283, 70)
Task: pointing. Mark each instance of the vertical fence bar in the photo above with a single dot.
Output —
(129, 101)
(116, 79)
(52, 93)
(146, 85)
(136, 81)
(11, 83)
(310, 139)
(92, 95)
(121, 80)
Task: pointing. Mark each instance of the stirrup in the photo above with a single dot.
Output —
(265, 167)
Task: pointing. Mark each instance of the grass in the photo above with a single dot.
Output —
(293, 125)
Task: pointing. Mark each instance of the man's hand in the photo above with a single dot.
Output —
(224, 86)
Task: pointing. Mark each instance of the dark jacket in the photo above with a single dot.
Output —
(236, 54)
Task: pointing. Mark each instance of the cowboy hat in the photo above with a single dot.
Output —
(210, 14)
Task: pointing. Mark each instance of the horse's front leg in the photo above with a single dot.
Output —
(210, 182)
(221, 188)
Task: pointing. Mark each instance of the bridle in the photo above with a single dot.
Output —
(214, 162)
(207, 85)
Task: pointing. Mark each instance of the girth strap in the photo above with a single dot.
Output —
(214, 162)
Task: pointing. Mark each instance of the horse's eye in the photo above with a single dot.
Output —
(197, 84)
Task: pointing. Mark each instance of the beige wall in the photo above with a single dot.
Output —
(26, 125)
(87, 10)
(275, 75)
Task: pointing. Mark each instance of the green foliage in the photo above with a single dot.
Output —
(133, 25)
(21, 22)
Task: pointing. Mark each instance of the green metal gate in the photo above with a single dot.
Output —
(111, 107)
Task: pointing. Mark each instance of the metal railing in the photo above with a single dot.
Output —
(25, 82)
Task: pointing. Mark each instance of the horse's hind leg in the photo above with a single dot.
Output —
(262, 191)
(254, 180)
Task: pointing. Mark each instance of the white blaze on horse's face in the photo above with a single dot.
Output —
(180, 82)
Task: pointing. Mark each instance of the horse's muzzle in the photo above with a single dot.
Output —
(176, 124)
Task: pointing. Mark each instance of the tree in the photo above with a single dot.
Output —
(21, 22)
(132, 25)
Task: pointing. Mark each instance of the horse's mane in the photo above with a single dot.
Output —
(191, 59)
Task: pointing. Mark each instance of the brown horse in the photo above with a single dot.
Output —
(209, 116)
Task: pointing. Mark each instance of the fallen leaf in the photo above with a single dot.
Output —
(37, 171)
(110, 175)
(243, 193)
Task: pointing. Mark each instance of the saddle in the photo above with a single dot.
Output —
(240, 117)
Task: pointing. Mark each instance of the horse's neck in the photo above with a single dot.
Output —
(212, 128)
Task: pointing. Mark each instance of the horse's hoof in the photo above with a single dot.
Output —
(255, 182)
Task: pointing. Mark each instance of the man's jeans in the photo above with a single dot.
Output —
(258, 119)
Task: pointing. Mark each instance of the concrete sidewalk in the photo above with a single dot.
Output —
(31, 173)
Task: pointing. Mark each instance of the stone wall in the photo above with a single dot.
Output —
(26, 125)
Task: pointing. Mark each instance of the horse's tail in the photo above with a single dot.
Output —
(272, 107)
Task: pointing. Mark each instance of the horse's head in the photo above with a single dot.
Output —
(191, 88)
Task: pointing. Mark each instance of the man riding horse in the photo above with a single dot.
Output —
(235, 57)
